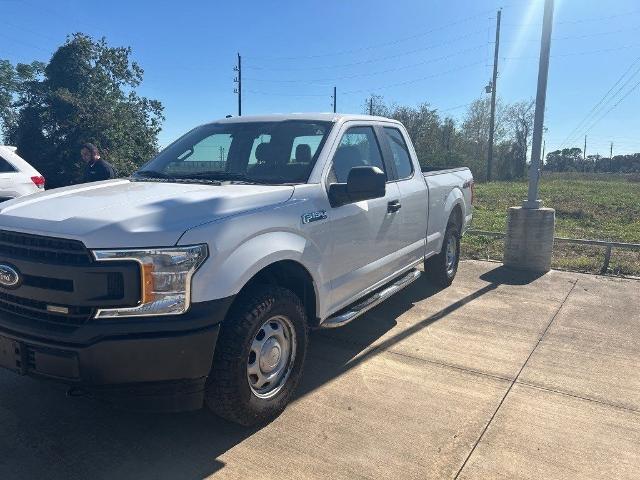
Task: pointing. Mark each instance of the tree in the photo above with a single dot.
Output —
(519, 124)
(564, 160)
(16, 84)
(86, 93)
(375, 105)
(475, 131)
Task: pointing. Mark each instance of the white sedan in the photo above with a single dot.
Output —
(17, 177)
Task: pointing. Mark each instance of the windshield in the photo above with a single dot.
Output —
(256, 152)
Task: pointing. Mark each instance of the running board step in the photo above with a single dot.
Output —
(353, 312)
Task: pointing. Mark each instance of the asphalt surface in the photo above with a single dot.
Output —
(502, 375)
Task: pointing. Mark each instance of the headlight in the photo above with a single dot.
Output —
(166, 279)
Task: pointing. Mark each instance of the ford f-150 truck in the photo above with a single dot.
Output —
(196, 280)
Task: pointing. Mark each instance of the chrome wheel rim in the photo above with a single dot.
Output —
(271, 356)
(451, 254)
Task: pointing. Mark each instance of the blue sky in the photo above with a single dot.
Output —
(293, 53)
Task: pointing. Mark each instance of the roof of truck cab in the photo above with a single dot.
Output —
(314, 117)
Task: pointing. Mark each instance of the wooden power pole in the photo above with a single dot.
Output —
(238, 80)
(335, 100)
(492, 120)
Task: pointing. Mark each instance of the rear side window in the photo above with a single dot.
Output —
(304, 148)
(400, 152)
(6, 166)
(358, 147)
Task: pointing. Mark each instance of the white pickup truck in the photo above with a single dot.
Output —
(197, 279)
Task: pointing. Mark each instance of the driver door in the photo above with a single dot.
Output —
(364, 235)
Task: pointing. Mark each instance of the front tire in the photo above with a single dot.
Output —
(441, 269)
(259, 356)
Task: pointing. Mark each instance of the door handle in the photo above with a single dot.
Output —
(393, 206)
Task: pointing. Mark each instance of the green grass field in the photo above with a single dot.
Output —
(595, 207)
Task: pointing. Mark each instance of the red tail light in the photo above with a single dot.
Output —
(38, 180)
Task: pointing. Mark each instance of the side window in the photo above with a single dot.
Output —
(5, 166)
(304, 148)
(358, 147)
(263, 138)
(401, 157)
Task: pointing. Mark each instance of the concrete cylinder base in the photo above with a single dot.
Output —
(529, 241)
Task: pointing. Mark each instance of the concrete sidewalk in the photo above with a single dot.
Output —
(499, 376)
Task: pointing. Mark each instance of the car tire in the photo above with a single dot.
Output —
(259, 356)
(441, 269)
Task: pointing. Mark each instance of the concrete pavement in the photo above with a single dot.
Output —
(499, 376)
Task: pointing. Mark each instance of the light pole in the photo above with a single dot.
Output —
(541, 96)
(528, 242)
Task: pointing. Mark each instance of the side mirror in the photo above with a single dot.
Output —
(363, 183)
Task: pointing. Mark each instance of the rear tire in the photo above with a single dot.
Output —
(259, 356)
(441, 269)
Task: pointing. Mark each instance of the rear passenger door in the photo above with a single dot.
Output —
(413, 194)
(364, 235)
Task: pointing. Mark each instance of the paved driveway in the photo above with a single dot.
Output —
(498, 376)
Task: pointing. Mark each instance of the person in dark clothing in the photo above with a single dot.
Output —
(96, 169)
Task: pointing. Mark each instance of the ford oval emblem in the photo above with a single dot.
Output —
(9, 276)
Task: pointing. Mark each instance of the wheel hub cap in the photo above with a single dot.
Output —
(271, 356)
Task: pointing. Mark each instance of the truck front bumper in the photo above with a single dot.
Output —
(162, 370)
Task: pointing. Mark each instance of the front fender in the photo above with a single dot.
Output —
(227, 271)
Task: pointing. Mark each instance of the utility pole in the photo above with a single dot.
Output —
(238, 80)
(493, 96)
(371, 105)
(584, 152)
(335, 100)
(544, 144)
(610, 155)
(541, 97)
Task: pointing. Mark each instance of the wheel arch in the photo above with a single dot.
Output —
(294, 276)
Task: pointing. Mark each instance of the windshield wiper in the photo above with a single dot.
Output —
(223, 176)
(150, 175)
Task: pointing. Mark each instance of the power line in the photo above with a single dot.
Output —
(571, 54)
(273, 94)
(453, 108)
(364, 62)
(602, 101)
(579, 37)
(582, 20)
(368, 74)
(631, 90)
(408, 82)
(26, 44)
(366, 90)
(378, 45)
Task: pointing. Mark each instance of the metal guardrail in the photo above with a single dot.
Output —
(577, 241)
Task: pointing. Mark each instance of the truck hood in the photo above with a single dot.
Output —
(121, 213)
